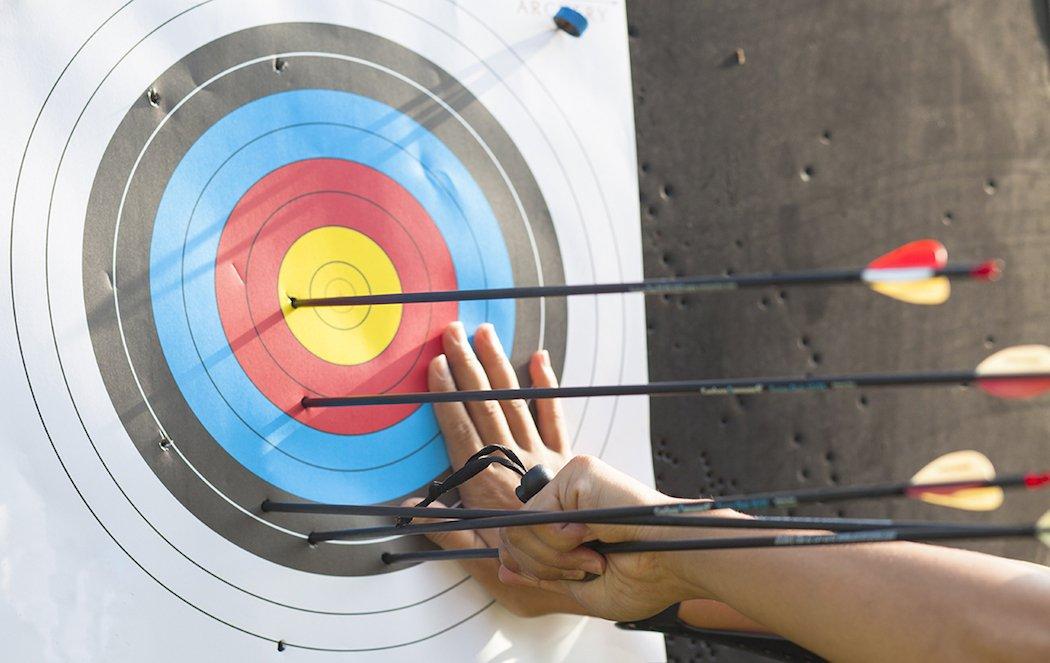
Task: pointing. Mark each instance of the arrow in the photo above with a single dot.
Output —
(961, 479)
(531, 518)
(1018, 372)
(1040, 530)
(917, 273)
(269, 506)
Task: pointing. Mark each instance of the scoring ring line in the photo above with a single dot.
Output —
(138, 159)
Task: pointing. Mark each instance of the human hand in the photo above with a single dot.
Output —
(468, 427)
(892, 600)
(551, 557)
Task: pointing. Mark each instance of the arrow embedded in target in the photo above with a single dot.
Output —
(961, 480)
(1040, 530)
(917, 273)
(1018, 372)
(531, 518)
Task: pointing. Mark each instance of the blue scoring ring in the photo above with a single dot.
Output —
(216, 171)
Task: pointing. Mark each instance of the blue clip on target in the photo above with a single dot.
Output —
(570, 21)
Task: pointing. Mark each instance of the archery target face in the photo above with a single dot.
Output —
(257, 162)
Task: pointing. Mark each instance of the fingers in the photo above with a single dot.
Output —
(452, 540)
(526, 583)
(461, 438)
(524, 600)
(549, 414)
(549, 552)
(469, 375)
(501, 375)
(484, 570)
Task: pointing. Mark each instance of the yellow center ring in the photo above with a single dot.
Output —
(333, 261)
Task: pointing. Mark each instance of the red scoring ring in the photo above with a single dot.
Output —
(301, 215)
(276, 211)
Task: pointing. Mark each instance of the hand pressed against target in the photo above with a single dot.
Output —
(542, 439)
(469, 426)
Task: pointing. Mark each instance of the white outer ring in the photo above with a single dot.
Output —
(117, 439)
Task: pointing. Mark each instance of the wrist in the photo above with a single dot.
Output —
(688, 571)
(686, 575)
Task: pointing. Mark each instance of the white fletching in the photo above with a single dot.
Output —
(896, 274)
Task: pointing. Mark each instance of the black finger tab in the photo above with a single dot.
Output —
(533, 482)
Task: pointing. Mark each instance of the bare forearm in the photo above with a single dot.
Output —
(711, 614)
(895, 601)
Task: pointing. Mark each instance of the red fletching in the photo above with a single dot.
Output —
(989, 270)
(1037, 480)
(920, 253)
(1015, 387)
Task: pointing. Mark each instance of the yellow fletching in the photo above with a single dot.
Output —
(970, 499)
(965, 465)
(1018, 359)
(1043, 529)
(928, 292)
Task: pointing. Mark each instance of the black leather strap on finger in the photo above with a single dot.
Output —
(473, 466)
(771, 646)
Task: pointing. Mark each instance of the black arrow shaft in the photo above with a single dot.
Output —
(780, 499)
(269, 506)
(738, 502)
(731, 543)
(525, 519)
(710, 387)
(669, 515)
(650, 286)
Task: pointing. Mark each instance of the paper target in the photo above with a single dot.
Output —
(204, 173)
(298, 174)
